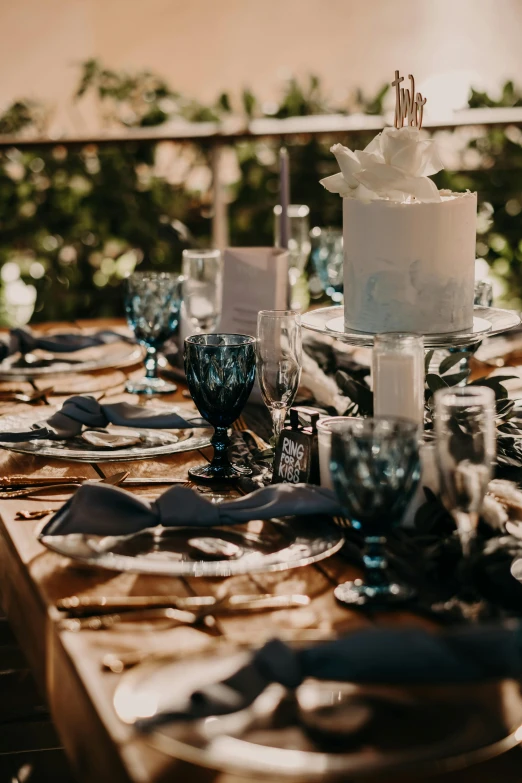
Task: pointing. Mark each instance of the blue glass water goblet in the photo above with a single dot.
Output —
(220, 370)
(152, 307)
(375, 468)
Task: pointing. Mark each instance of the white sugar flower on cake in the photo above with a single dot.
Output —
(396, 165)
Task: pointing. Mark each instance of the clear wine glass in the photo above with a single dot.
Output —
(375, 467)
(465, 445)
(152, 307)
(279, 353)
(202, 289)
(328, 260)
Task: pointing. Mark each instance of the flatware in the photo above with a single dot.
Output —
(145, 481)
(21, 482)
(120, 661)
(115, 480)
(19, 396)
(105, 622)
(78, 606)
(35, 481)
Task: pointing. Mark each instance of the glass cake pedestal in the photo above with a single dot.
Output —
(487, 321)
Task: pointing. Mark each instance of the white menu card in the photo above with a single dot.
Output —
(254, 279)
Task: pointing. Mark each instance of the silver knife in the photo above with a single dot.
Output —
(77, 606)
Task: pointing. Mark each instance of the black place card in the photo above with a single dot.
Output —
(293, 458)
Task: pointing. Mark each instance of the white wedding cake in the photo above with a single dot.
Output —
(409, 249)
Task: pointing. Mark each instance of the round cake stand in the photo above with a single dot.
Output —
(487, 321)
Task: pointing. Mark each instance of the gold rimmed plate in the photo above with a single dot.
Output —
(325, 730)
(148, 442)
(98, 357)
(257, 547)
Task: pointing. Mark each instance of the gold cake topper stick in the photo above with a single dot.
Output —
(408, 105)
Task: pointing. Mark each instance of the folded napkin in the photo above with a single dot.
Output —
(385, 655)
(80, 411)
(23, 341)
(104, 510)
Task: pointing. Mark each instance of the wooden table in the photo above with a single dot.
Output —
(67, 665)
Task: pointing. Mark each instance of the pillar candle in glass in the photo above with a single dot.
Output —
(325, 427)
(398, 376)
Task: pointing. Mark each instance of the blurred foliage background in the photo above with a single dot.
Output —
(76, 219)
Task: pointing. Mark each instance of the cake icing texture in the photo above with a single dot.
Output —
(409, 249)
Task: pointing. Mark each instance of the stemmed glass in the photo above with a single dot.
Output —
(465, 446)
(328, 258)
(278, 361)
(298, 245)
(220, 370)
(375, 468)
(152, 307)
(202, 289)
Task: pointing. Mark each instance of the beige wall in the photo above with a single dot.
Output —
(204, 46)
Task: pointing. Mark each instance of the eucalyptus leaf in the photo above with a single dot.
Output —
(357, 392)
(504, 408)
(451, 360)
(435, 382)
(495, 383)
(427, 361)
(453, 379)
(493, 379)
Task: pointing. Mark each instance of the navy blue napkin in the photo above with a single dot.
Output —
(85, 411)
(104, 510)
(23, 341)
(376, 655)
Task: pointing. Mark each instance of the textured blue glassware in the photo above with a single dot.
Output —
(152, 307)
(220, 370)
(375, 467)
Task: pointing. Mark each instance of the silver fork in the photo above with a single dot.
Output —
(20, 396)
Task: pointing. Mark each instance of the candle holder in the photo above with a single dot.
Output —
(398, 376)
(298, 244)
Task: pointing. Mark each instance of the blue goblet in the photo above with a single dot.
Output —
(152, 307)
(220, 370)
(375, 468)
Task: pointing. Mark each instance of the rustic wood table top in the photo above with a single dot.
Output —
(68, 665)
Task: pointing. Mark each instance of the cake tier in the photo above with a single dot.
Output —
(410, 267)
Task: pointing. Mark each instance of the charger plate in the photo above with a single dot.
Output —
(272, 545)
(153, 442)
(98, 357)
(487, 321)
(421, 729)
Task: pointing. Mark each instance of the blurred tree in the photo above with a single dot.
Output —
(75, 220)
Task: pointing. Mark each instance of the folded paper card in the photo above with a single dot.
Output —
(100, 509)
(84, 411)
(254, 279)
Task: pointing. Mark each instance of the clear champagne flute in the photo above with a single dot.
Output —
(278, 361)
(465, 445)
(202, 289)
